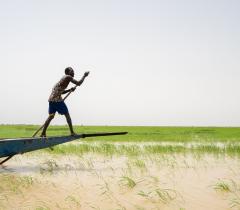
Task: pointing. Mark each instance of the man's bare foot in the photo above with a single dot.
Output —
(73, 134)
(43, 135)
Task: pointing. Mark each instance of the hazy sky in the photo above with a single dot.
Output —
(152, 62)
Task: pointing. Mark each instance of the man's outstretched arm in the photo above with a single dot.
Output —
(81, 80)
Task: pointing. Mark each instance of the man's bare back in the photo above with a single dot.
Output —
(59, 88)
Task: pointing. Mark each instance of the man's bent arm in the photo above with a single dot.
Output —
(66, 91)
(69, 90)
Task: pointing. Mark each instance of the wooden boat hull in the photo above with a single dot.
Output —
(11, 147)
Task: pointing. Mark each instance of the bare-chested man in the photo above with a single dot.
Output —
(56, 103)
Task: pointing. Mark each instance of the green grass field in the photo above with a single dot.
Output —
(135, 133)
(136, 142)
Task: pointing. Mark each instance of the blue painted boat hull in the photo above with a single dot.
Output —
(10, 147)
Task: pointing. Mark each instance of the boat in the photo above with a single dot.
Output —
(12, 147)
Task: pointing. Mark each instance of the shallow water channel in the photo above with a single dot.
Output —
(92, 181)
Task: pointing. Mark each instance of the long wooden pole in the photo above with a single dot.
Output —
(6, 159)
(36, 132)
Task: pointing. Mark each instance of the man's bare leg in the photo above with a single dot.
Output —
(69, 121)
(46, 124)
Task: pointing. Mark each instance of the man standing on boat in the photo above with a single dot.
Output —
(56, 103)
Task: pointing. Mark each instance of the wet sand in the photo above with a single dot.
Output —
(166, 182)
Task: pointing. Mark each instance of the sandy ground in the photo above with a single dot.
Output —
(149, 182)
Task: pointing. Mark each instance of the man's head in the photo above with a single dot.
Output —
(69, 71)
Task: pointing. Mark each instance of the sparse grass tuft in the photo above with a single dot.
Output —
(232, 189)
(127, 181)
(140, 164)
(235, 202)
(48, 166)
(222, 186)
(15, 184)
(73, 200)
(159, 194)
